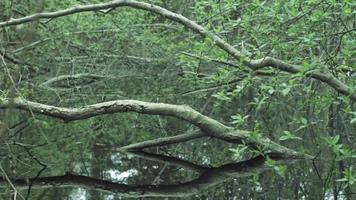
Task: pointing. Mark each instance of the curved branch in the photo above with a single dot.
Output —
(325, 77)
(183, 112)
(208, 125)
(72, 76)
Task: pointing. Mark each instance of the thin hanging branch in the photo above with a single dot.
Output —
(321, 74)
(169, 160)
(72, 77)
(163, 141)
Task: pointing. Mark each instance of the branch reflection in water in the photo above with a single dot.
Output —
(208, 177)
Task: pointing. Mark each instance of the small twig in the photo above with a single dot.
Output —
(29, 45)
(44, 167)
(10, 183)
(316, 169)
(163, 141)
(211, 59)
(106, 11)
(205, 89)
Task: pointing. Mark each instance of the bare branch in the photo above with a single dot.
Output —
(212, 59)
(134, 58)
(163, 141)
(169, 160)
(72, 77)
(6, 180)
(208, 125)
(214, 87)
(29, 45)
(183, 112)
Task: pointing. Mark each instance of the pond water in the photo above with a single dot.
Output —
(79, 155)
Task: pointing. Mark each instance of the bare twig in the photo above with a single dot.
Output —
(7, 179)
(163, 141)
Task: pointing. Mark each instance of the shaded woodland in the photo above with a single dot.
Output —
(164, 99)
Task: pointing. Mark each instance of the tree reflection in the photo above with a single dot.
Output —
(208, 177)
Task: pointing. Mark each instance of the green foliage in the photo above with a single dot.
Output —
(257, 132)
(278, 168)
(341, 152)
(222, 96)
(239, 152)
(289, 136)
(286, 89)
(349, 176)
(303, 123)
(353, 120)
(314, 34)
(238, 119)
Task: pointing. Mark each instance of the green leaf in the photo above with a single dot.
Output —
(238, 152)
(285, 91)
(279, 169)
(353, 120)
(304, 121)
(289, 136)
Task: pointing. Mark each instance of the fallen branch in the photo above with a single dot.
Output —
(207, 125)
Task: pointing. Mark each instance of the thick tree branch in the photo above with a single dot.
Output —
(183, 112)
(208, 125)
(325, 77)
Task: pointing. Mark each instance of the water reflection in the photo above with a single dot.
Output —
(118, 183)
